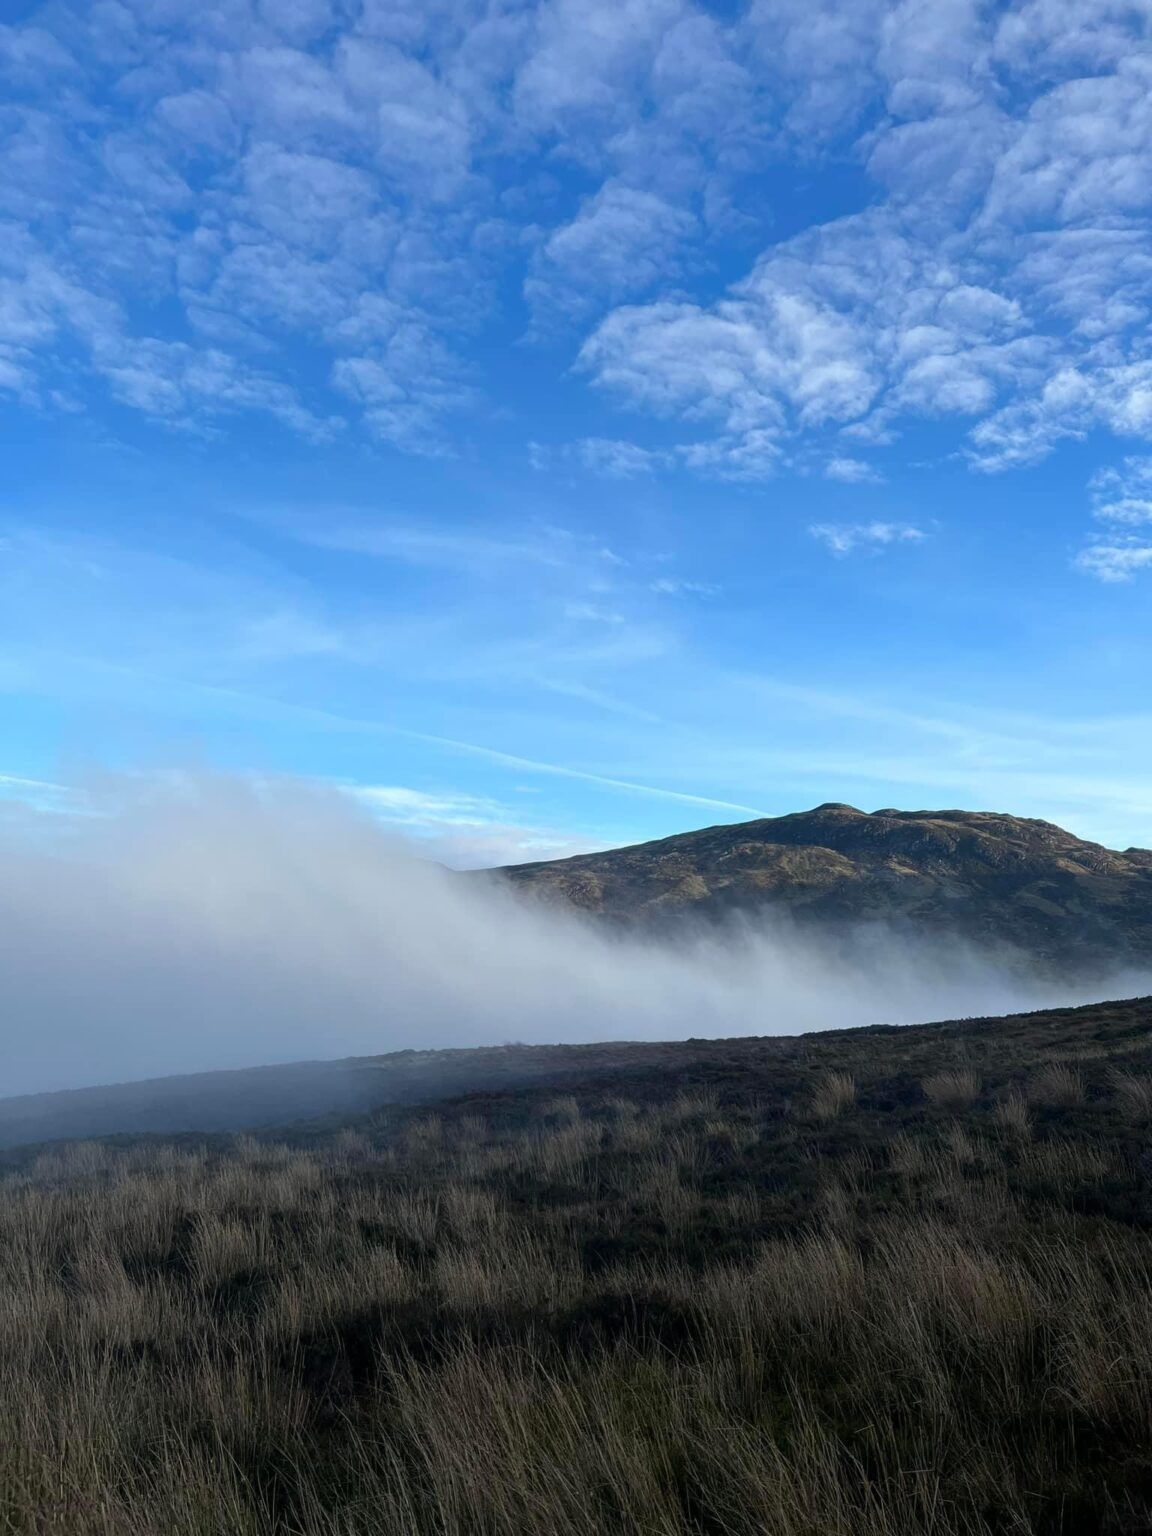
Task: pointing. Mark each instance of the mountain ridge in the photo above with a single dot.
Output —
(1024, 882)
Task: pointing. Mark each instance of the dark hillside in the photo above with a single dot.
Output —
(275, 1096)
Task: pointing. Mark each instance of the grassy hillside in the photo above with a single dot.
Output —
(256, 1097)
(888, 1281)
(994, 879)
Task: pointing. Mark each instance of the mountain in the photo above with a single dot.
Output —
(1056, 898)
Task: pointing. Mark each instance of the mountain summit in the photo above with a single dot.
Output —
(979, 874)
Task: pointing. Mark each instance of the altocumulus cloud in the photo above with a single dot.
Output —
(309, 212)
(1122, 501)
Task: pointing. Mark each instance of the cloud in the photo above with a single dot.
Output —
(852, 471)
(1121, 497)
(269, 196)
(1008, 262)
(272, 177)
(311, 213)
(846, 538)
(465, 831)
(1115, 560)
(618, 459)
(208, 923)
(622, 242)
(40, 796)
(390, 536)
(1123, 494)
(678, 586)
(850, 323)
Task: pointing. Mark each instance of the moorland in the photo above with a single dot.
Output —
(867, 1283)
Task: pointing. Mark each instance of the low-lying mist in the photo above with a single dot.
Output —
(202, 923)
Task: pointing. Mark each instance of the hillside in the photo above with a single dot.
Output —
(881, 1282)
(1066, 902)
(251, 1098)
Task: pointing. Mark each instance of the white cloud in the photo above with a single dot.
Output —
(623, 240)
(282, 925)
(216, 190)
(829, 327)
(587, 58)
(1115, 560)
(465, 831)
(592, 613)
(617, 459)
(275, 194)
(1121, 497)
(1123, 494)
(1084, 151)
(918, 308)
(852, 471)
(679, 586)
(846, 538)
(305, 199)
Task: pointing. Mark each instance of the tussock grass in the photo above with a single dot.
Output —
(1133, 1092)
(1012, 1116)
(954, 1089)
(678, 1309)
(1057, 1086)
(832, 1096)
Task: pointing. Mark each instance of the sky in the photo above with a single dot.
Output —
(561, 424)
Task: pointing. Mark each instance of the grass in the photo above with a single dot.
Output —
(833, 1095)
(954, 1089)
(661, 1303)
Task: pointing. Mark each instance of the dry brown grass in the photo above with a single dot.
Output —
(235, 1394)
(954, 1089)
(835, 1093)
(661, 1316)
(1133, 1091)
(1012, 1117)
(1057, 1086)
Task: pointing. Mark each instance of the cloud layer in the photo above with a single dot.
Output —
(197, 923)
(316, 212)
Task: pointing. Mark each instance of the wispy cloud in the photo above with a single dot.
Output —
(1115, 560)
(466, 830)
(387, 536)
(618, 459)
(852, 471)
(612, 457)
(1121, 497)
(680, 586)
(846, 538)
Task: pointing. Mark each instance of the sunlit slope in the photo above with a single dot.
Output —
(988, 877)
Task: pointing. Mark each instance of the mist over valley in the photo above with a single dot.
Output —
(192, 923)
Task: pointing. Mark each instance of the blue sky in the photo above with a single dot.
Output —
(560, 424)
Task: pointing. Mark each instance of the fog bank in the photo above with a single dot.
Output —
(201, 923)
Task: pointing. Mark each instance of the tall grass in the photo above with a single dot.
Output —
(678, 1317)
